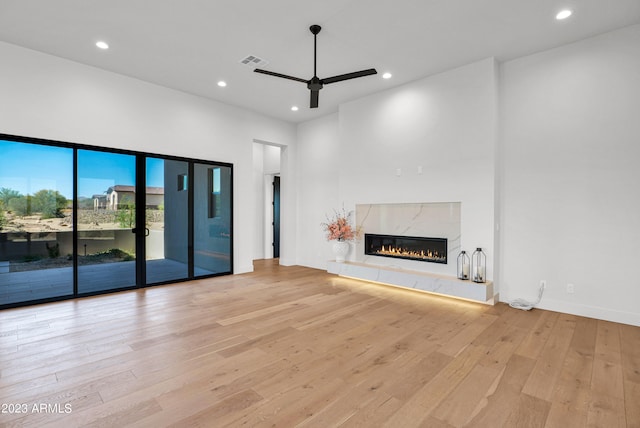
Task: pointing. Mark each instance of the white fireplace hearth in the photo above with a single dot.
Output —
(420, 281)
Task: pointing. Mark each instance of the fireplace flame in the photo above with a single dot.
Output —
(401, 252)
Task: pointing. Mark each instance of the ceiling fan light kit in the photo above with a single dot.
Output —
(315, 83)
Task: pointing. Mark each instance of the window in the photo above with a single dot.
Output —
(182, 182)
(214, 192)
(36, 221)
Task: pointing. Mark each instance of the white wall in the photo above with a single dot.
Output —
(259, 198)
(443, 123)
(271, 170)
(571, 168)
(271, 160)
(49, 97)
(318, 163)
(266, 165)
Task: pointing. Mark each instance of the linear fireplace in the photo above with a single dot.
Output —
(417, 248)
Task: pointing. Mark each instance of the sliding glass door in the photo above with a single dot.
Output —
(78, 220)
(106, 221)
(36, 222)
(167, 220)
(212, 219)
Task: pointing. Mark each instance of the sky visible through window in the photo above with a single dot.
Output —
(28, 168)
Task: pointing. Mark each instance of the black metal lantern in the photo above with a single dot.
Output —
(478, 266)
(463, 265)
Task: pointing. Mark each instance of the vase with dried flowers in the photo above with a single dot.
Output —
(338, 229)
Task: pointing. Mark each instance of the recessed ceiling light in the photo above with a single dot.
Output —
(294, 108)
(387, 75)
(102, 45)
(563, 14)
(222, 83)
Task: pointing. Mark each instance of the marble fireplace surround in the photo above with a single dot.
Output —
(429, 220)
(437, 220)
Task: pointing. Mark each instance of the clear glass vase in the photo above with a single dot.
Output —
(464, 265)
(479, 266)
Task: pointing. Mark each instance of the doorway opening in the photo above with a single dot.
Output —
(267, 185)
(276, 217)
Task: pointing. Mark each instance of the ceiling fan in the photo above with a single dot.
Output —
(315, 83)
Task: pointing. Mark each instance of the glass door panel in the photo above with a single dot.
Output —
(36, 223)
(106, 221)
(167, 220)
(212, 219)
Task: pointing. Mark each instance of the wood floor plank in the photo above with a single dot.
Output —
(375, 413)
(427, 398)
(529, 412)
(549, 364)
(431, 422)
(416, 375)
(630, 352)
(345, 405)
(290, 346)
(533, 344)
(470, 332)
(631, 400)
(570, 399)
(606, 411)
(607, 367)
(496, 407)
(276, 410)
(230, 406)
(569, 407)
(458, 407)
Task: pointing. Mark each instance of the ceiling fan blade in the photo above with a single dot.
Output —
(284, 76)
(314, 99)
(348, 76)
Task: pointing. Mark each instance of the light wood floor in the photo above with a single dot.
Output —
(292, 346)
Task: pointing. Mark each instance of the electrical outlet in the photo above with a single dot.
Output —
(570, 288)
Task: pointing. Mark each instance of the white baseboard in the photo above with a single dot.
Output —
(287, 262)
(242, 269)
(631, 318)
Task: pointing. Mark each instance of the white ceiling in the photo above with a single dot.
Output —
(190, 45)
